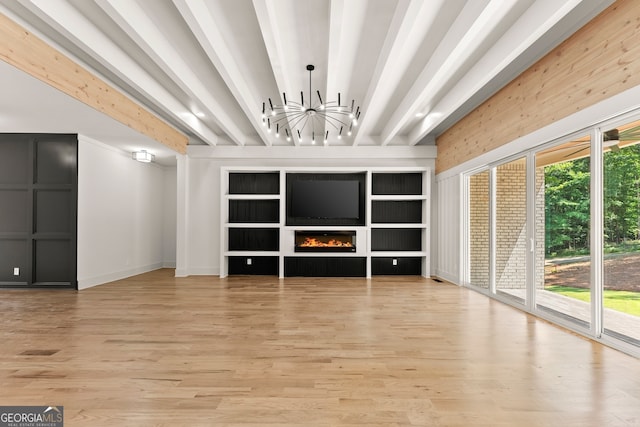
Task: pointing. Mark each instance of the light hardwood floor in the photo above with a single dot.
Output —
(154, 350)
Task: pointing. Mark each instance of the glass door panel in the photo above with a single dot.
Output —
(479, 231)
(621, 234)
(562, 219)
(511, 230)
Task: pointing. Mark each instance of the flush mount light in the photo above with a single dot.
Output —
(143, 156)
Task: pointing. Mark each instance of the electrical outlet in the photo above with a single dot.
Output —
(395, 261)
(16, 271)
(249, 262)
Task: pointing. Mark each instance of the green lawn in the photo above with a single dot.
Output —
(623, 301)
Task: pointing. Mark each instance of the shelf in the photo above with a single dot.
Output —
(325, 266)
(397, 212)
(254, 265)
(276, 225)
(397, 183)
(252, 196)
(251, 253)
(254, 211)
(253, 239)
(324, 227)
(378, 225)
(398, 254)
(396, 239)
(254, 183)
(323, 254)
(397, 197)
(396, 265)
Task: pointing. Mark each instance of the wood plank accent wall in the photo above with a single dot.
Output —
(32, 55)
(600, 60)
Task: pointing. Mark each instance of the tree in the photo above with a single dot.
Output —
(621, 194)
(567, 206)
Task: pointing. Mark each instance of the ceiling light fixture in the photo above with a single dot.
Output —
(294, 117)
(143, 156)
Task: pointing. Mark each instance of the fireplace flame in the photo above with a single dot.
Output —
(312, 242)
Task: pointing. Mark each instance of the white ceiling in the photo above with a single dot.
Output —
(414, 67)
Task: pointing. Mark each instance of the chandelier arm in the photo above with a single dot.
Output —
(337, 112)
(333, 120)
(304, 124)
(291, 104)
(287, 117)
(298, 120)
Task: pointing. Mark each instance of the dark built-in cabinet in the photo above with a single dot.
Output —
(253, 234)
(38, 210)
(258, 232)
(398, 232)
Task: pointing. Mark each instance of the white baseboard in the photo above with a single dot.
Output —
(446, 276)
(88, 282)
(197, 271)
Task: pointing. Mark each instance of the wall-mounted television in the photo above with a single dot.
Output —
(325, 199)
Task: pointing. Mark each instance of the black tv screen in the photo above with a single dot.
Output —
(329, 199)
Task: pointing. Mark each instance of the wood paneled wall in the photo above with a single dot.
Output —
(600, 60)
(30, 54)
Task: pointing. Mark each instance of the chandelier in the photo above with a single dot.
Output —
(317, 116)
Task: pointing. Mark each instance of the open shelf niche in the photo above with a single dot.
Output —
(259, 238)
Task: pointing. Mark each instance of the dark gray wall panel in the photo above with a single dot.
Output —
(13, 253)
(53, 211)
(51, 261)
(55, 160)
(38, 209)
(14, 210)
(13, 161)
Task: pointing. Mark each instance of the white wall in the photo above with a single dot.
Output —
(121, 214)
(169, 217)
(447, 235)
(201, 252)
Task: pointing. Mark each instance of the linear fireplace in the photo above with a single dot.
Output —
(325, 241)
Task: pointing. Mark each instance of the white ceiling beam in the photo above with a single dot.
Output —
(522, 35)
(200, 17)
(282, 49)
(465, 37)
(345, 27)
(138, 25)
(410, 23)
(77, 28)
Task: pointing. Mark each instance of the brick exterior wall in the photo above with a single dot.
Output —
(511, 236)
(511, 232)
(479, 229)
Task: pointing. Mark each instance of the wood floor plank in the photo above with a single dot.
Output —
(155, 350)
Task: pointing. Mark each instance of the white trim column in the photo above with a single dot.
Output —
(182, 216)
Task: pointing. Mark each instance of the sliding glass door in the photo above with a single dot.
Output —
(558, 231)
(621, 233)
(511, 230)
(497, 230)
(563, 222)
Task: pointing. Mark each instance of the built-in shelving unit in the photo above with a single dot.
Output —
(399, 218)
(391, 238)
(251, 220)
